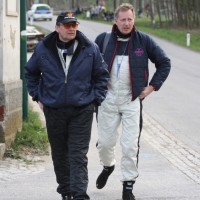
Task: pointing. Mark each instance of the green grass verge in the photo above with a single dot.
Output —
(177, 36)
(32, 139)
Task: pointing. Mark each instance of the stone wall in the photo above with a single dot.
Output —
(10, 111)
(10, 82)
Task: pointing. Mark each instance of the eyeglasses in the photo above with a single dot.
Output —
(69, 25)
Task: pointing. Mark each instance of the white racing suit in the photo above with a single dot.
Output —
(118, 108)
(128, 77)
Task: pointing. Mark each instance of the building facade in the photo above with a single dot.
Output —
(10, 82)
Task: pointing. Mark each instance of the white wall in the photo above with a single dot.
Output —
(10, 23)
(1, 41)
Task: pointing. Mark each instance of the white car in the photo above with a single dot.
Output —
(40, 12)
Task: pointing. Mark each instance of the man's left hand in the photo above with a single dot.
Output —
(146, 91)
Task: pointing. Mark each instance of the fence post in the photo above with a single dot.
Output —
(188, 39)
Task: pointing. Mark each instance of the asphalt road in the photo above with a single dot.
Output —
(161, 177)
(176, 105)
(169, 164)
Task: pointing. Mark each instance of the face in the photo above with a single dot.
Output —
(67, 32)
(125, 21)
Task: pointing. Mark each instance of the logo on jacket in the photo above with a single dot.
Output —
(139, 52)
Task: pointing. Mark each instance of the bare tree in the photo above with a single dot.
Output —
(179, 13)
(114, 4)
(151, 3)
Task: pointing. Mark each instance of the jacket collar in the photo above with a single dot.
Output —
(50, 40)
(115, 30)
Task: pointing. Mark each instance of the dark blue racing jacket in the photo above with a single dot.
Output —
(141, 49)
(85, 83)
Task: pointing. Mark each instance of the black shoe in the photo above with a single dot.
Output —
(103, 177)
(68, 197)
(82, 199)
(127, 190)
(128, 195)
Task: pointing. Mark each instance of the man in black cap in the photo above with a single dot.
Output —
(67, 76)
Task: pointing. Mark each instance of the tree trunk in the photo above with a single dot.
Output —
(114, 4)
(152, 13)
(158, 11)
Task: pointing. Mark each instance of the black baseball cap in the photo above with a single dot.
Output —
(66, 17)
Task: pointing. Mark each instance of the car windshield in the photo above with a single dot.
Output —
(42, 8)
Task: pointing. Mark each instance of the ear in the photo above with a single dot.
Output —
(57, 28)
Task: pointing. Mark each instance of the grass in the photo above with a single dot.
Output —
(32, 139)
(177, 36)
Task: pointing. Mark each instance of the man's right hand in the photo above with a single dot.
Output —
(40, 105)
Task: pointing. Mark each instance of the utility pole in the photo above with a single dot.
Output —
(23, 57)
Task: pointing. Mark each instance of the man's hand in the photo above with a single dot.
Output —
(146, 91)
(40, 105)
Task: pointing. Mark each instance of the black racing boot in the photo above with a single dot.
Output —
(67, 197)
(85, 197)
(127, 190)
(103, 177)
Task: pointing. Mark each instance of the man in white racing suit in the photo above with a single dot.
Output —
(126, 54)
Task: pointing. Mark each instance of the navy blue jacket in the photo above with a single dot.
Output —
(141, 48)
(86, 80)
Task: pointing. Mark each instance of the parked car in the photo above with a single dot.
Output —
(33, 37)
(40, 12)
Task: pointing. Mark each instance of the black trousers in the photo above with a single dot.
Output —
(69, 133)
